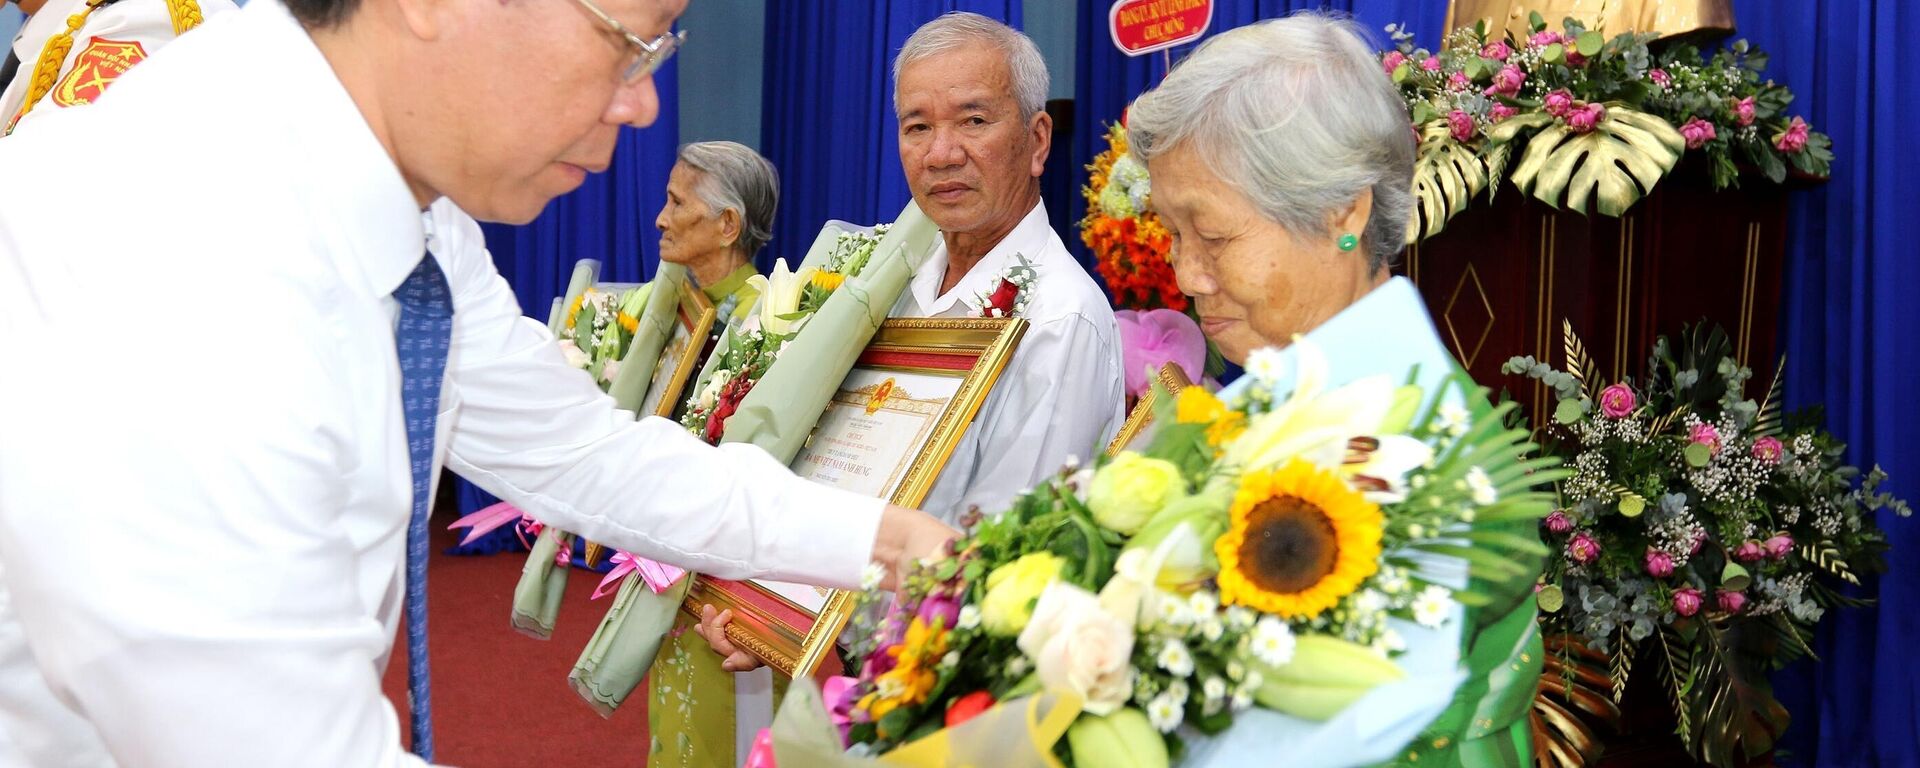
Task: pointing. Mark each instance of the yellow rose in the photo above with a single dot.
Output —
(1128, 491)
(1011, 590)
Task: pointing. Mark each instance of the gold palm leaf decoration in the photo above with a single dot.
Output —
(1446, 176)
(1574, 697)
(1607, 169)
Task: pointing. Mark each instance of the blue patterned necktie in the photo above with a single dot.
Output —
(421, 338)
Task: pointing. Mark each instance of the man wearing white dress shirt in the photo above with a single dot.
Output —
(205, 469)
(970, 94)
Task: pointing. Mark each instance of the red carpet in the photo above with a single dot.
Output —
(500, 698)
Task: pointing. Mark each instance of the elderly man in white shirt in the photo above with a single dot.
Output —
(213, 406)
(970, 94)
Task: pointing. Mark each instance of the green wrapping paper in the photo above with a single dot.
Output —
(781, 410)
(585, 271)
(536, 599)
(624, 645)
(629, 387)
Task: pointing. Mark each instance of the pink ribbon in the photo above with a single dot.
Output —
(658, 576)
(762, 754)
(490, 519)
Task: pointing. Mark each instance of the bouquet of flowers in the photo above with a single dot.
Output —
(1599, 118)
(1129, 244)
(787, 300)
(598, 328)
(1274, 549)
(1699, 529)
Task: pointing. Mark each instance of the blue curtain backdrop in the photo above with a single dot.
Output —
(609, 218)
(827, 122)
(1849, 326)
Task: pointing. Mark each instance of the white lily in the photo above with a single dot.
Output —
(780, 295)
(1312, 424)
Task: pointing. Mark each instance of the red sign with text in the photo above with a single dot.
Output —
(1145, 26)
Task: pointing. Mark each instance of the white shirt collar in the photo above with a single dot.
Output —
(1027, 239)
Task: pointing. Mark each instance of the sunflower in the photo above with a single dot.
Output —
(629, 322)
(828, 281)
(1300, 540)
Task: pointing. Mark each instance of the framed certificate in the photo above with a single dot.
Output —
(1138, 429)
(887, 432)
(692, 319)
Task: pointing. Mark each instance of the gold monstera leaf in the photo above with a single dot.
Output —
(1446, 176)
(1609, 168)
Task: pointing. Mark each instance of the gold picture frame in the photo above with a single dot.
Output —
(1141, 417)
(781, 632)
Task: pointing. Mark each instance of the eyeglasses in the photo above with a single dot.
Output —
(648, 55)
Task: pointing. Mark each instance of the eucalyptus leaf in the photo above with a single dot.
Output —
(1569, 411)
(1589, 43)
(1697, 455)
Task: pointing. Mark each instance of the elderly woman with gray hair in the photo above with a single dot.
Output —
(721, 197)
(1282, 164)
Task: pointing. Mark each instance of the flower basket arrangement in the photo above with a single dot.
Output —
(1700, 533)
(1130, 245)
(1580, 121)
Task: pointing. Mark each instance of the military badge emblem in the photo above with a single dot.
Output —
(95, 68)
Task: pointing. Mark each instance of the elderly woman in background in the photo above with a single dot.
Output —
(721, 198)
(1282, 165)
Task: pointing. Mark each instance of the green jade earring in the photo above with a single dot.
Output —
(1348, 242)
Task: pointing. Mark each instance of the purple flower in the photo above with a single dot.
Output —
(1617, 401)
(1704, 434)
(1660, 78)
(940, 607)
(1558, 522)
(1543, 39)
(1497, 50)
(1732, 602)
(1583, 548)
(1697, 132)
(1458, 81)
(1392, 61)
(1749, 551)
(1686, 601)
(1507, 81)
(1768, 449)
(1151, 339)
(1659, 564)
(1795, 139)
(1432, 64)
(1461, 123)
(1743, 112)
(1501, 112)
(1559, 103)
(1584, 119)
(1779, 546)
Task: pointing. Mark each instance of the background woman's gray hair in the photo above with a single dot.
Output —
(734, 176)
(959, 28)
(1297, 115)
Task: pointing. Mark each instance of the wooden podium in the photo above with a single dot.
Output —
(1503, 275)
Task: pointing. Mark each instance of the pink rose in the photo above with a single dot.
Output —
(1458, 81)
(1583, 548)
(1743, 112)
(1659, 564)
(1392, 61)
(1732, 602)
(1543, 39)
(1559, 103)
(1704, 434)
(1576, 58)
(1686, 601)
(1779, 546)
(1749, 551)
(1697, 132)
(1699, 540)
(1558, 522)
(1077, 646)
(1795, 139)
(1461, 123)
(1501, 112)
(1497, 50)
(1585, 118)
(1152, 338)
(1768, 449)
(1432, 64)
(1617, 401)
(1507, 81)
(1660, 78)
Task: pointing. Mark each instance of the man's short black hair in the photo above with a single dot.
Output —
(320, 14)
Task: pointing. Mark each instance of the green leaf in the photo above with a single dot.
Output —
(1698, 455)
(1554, 54)
(1569, 411)
(1446, 177)
(1632, 506)
(1400, 72)
(1550, 598)
(1535, 21)
(1589, 43)
(1611, 167)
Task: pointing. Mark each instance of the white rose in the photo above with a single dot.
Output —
(1077, 646)
(610, 370)
(572, 353)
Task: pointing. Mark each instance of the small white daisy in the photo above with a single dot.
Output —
(1016, 666)
(1175, 658)
(1211, 629)
(952, 659)
(871, 576)
(1204, 603)
(969, 617)
(1236, 671)
(1239, 617)
(1482, 486)
(1370, 601)
(1242, 699)
(1214, 690)
(1165, 713)
(1452, 419)
(1178, 690)
(1272, 641)
(1267, 365)
(1430, 606)
(1389, 643)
